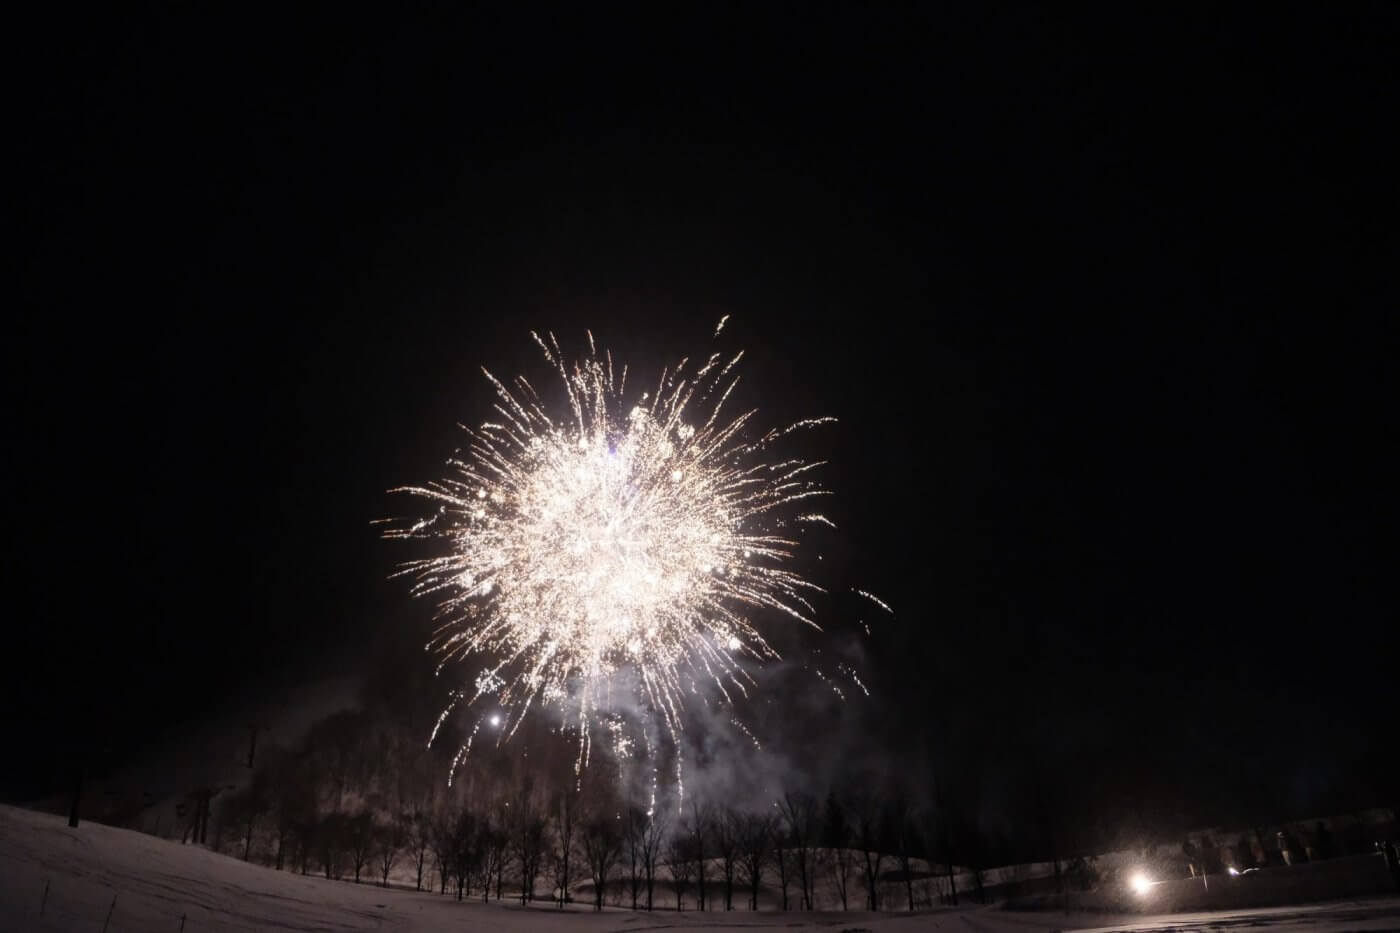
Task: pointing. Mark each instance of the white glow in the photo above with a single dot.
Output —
(1141, 883)
(614, 536)
(1233, 870)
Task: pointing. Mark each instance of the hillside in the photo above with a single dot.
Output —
(161, 885)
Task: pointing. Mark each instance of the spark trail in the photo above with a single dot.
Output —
(612, 545)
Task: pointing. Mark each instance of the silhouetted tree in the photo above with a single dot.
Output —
(333, 744)
(257, 801)
(726, 838)
(528, 844)
(836, 837)
(698, 827)
(870, 839)
(602, 844)
(798, 812)
(391, 837)
(420, 840)
(653, 846)
(293, 801)
(906, 839)
(330, 841)
(634, 827)
(305, 835)
(755, 832)
(564, 854)
(442, 849)
(782, 859)
(680, 861)
(495, 847)
(360, 840)
(465, 851)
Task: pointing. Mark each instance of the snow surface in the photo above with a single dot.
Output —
(159, 885)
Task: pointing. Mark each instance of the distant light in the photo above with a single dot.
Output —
(495, 720)
(1233, 870)
(1141, 883)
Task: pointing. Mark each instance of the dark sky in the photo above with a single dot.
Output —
(1104, 297)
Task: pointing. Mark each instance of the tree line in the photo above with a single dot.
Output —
(360, 800)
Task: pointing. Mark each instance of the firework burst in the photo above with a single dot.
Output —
(612, 545)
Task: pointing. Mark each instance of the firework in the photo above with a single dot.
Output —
(625, 542)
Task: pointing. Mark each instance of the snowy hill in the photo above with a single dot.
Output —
(158, 884)
(53, 878)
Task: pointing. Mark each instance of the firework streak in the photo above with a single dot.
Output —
(612, 545)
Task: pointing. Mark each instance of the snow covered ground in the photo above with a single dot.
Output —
(150, 884)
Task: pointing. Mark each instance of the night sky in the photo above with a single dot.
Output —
(1105, 299)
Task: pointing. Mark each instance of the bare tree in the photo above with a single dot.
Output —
(330, 837)
(390, 837)
(486, 859)
(419, 841)
(906, 838)
(466, 852)
(836, 837)
(698, 827)
(529, 843)
(653, 843)
(256, 801)
(442, 849)
(602, 844)
(634, 828)
(680, 862)
(334, 746)
(798, 812)
(294, 808)
(782, 859)
(304, 838)
(754, 834)
(726, 837)
(500, 853)
(564, 852)
(870, 840)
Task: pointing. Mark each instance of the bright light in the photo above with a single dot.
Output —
(623, 542)
(1233, 870)
(1141, 883)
